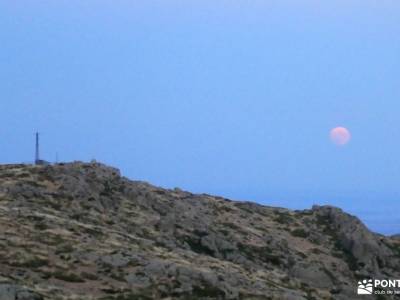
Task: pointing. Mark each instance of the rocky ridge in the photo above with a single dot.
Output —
(82, 231)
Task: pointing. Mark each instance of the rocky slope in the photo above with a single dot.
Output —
(81, 231)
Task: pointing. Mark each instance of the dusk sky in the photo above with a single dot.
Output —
(234, 98)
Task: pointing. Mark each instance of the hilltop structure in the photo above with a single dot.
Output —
(39, 161)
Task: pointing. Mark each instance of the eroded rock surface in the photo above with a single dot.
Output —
(82, 231)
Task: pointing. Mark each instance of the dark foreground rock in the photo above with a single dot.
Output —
(81, 231)
(15, 292)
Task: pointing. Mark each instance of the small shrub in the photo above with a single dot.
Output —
(196, 246)
(283, 218)
(32, 263)
(301, 233)
(316, 251)
(66, 248)
(41, 226)
(262, 253)
(89, 276)
(208, 291)
(70, 277)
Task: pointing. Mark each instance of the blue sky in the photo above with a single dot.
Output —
(234, 98)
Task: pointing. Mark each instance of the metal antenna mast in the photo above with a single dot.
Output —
(37, 157)
(39, 161)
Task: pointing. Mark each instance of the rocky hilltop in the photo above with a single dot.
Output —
(82, 231)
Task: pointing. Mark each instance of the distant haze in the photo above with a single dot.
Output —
(235, 98)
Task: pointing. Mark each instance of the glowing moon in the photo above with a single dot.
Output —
(340, 136)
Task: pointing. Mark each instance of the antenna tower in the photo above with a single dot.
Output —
(37, 157)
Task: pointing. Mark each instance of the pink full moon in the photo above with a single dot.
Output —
(340, 136)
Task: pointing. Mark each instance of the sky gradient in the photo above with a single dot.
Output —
(235, 98)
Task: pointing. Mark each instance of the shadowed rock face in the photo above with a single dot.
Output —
(81, 231)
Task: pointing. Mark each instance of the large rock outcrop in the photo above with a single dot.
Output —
(82, 231)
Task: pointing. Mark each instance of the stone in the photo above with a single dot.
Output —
(82, 231)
